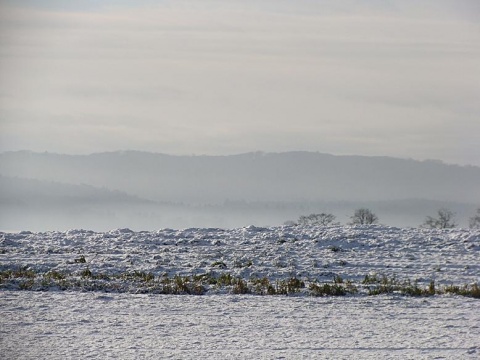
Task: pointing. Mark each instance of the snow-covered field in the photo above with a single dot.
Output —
(306, 252)
(115, 311)
(57, 325)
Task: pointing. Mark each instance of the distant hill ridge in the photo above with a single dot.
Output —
(16, 191)
(257, 176)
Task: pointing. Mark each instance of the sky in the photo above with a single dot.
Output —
(383, 78)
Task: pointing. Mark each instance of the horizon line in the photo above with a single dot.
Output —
(253, 152)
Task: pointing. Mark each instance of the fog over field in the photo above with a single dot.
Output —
(232, 108)
(141, 190)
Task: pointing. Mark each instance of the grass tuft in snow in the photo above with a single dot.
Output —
(24, 278)
(289, 286)
(466, 290)
(327, 290)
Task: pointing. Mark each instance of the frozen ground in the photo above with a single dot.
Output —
(319, 253)
(64, 325)
(120, 323)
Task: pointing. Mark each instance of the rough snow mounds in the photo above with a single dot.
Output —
(310, 253)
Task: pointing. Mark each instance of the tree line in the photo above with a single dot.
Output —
(445, 219)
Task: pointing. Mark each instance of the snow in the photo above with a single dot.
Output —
(60, 325)
(124, 324)
(445, 256)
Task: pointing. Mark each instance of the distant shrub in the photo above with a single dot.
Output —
(322, 219)
(445, 220)
(475, 220)
(363, 216)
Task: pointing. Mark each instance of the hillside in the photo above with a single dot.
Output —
(292, 176)
(149, 191)
(21, 191)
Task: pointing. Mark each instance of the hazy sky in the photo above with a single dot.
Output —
(397, 78)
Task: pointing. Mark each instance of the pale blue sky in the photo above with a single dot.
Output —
(395, 78)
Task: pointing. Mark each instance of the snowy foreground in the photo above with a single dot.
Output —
(56, 325)
(83, 294)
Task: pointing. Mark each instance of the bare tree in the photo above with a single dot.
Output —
(475, 220)
(363, 216)
(322, 219)
(445, 220)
